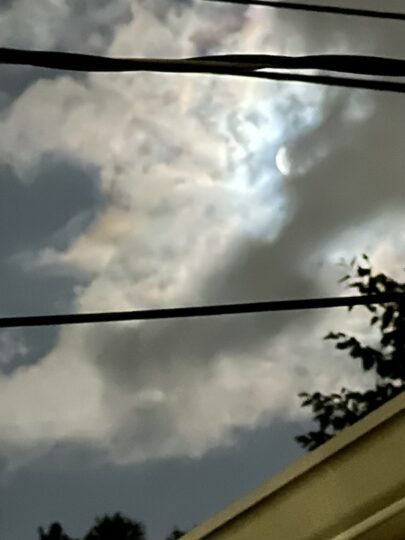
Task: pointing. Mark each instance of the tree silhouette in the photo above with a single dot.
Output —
(55, 532)
(116, 527)
(337, 411)
(175, 534)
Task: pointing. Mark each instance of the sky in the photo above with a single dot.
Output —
(129, 191)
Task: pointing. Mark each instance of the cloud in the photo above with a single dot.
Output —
(196, 211)
(65, 24)
(11, 346)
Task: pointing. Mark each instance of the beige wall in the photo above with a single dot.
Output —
(351, 487)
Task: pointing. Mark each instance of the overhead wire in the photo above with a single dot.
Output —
(317, 8)
(342, 63)
(202, 311)
(233, 65)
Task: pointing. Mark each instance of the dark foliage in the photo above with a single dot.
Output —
(55, 532)
(336, 411)
(175, 534)
(117, 527)
(114, 527)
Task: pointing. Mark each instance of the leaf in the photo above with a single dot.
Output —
(387, 317)
(338, 423)
(347, 344)
(334, 335)
(361, 271)
(368, 362)
(389, 338)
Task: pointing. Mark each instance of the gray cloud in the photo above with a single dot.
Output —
(62, 24)
(86, 27)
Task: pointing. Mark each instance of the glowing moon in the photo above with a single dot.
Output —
(282, 161)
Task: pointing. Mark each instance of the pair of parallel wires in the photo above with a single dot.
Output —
(242, 65)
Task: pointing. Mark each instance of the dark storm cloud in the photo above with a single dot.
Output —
(6, 4)
(155, 351)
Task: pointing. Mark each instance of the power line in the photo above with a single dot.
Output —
(202, 311)
(234, 65)
(330, 80)
(342, 63)
(315, 8)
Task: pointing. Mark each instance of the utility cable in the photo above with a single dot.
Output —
(218, 64)
(234, 65)
(202, 311)
(316, 8)
(342, 63)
